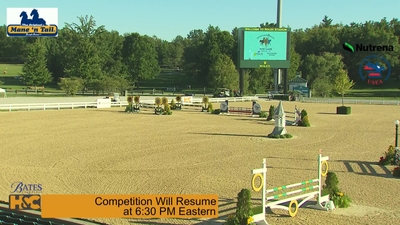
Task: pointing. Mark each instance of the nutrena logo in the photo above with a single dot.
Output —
(373, 48)
(367, 48)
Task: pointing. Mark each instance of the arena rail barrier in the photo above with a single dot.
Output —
(196, 102)
(351, 101)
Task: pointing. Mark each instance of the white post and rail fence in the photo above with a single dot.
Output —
(107, 103)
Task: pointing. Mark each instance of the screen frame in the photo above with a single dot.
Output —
(251, 64)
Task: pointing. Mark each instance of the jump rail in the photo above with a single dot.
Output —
(323, 202)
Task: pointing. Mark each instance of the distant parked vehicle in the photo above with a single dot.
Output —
(222, 93)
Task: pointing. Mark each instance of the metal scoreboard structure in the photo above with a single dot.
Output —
(263, 48)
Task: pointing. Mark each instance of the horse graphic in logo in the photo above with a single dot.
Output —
(265, 42)
(35, 18)
(35, 21)
(375, 70)
(24, 20)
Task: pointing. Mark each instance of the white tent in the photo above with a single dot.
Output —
(4, 92)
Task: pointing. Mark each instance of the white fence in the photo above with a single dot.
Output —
(351, 101)
(75, 105)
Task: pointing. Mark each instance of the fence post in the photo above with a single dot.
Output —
(85, 105)
(58, 106)
(44, 106)
(10, 108)
(383, 102)
(329, 100)
(397, 102)
(72, 105)
(29, 107)
(370, 102)
(356, 101)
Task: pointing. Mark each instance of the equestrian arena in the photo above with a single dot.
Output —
(107, 151)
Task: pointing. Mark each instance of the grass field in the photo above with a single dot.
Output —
(111, 152)
(11, 69)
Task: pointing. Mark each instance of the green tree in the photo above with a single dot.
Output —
(110, 45)
(140, 58)
(224, 74)
(323, 66)
(320, 39)
(122, 84)
(295, 59)
(322, 86)
(343, 84)
(175, 51)
(34, 71)
(84, 51)
(235, 48)
(12, 49)
(162, 48)
(326, 22)
(71, 85)
(259, 80)
(193, 54)
(55, 56)
(210, 54)
(109, 84)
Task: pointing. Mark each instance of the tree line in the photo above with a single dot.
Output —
(86, 56)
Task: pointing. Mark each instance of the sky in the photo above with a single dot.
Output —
(168, 18)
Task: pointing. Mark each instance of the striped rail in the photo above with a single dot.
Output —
(240, 110)
(255, 110)
(273, 202)
(293, 115)
(292, 186)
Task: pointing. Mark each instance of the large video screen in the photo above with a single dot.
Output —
(265, 45)
(264, 48)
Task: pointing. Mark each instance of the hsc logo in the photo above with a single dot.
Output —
(40, 22)
(25, 196)
(375, 70)
(24, 202)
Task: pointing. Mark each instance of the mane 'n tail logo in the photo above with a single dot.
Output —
(41, 22)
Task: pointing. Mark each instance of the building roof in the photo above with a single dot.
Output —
(298, 80)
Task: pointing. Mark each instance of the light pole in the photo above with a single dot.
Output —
(277, 72)
(396, 139)
(396, 142)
